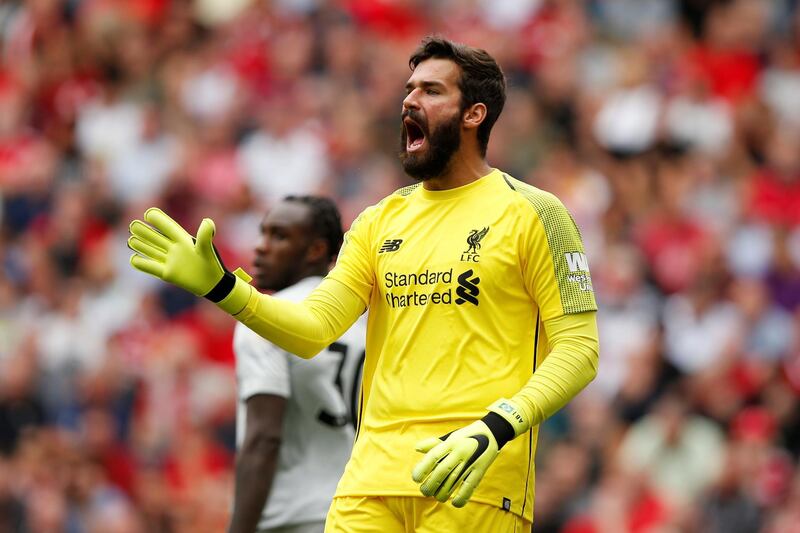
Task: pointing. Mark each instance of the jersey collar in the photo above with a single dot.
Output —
(458, 192)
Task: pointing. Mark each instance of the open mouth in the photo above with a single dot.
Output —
(415, 136)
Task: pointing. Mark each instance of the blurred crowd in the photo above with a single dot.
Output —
(670, 129)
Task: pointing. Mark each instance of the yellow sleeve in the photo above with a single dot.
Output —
(305, 328)
(553, 260)
(570, 365)
(354, 267)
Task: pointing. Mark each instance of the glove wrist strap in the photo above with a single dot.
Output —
(512, 414)
(501, 429)
(222, 289)
(239, 293)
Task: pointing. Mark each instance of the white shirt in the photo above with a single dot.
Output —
(318, 428)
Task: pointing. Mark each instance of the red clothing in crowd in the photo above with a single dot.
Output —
(776, 200)
(673, 248)
(643, 515)
(731, 74)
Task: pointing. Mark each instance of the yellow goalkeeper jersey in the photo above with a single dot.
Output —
(458, 283)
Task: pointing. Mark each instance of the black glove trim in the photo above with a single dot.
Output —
(222, 289)
(501, 428)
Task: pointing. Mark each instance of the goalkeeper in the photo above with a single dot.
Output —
(481, 323)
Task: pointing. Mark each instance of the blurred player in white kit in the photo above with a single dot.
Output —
(295, 422)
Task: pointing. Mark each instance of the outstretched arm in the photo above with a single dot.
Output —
(165, 250)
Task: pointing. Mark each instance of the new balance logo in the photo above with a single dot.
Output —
(391, 245)
(576, 262)
(467, 290)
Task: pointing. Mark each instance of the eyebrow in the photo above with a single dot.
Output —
(277, 224)
(424, 83)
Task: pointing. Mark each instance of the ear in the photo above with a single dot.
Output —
(317, 251)
(474, 115)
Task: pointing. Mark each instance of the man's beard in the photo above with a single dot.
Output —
(443, 142)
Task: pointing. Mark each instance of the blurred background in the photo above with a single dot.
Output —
(669, 128)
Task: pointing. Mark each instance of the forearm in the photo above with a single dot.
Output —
(567, 369)
(465, 454)
(303, 328)
(255, 469)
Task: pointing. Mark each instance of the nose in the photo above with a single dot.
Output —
(263, 246)
(410, 101)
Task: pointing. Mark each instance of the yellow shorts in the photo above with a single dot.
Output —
(409, 514)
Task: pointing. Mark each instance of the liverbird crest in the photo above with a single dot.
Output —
(474, 240)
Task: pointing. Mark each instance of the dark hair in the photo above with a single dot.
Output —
(326, 222)
(481, 80)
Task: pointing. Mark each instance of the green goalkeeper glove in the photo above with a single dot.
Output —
(167, 251)
(463, 456)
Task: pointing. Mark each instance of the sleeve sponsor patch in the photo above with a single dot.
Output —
(578, 267)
